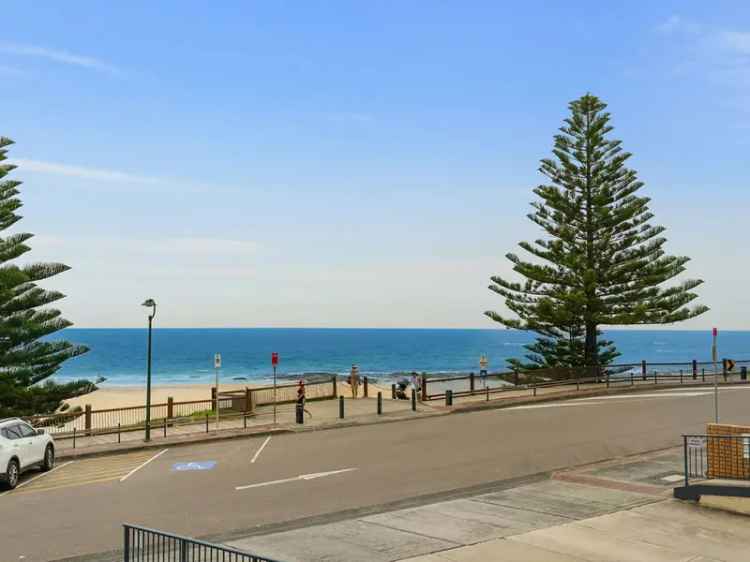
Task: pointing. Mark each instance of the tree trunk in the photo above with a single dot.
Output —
(591, 355)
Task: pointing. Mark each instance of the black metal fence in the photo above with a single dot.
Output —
(147, 545)
(725, 457)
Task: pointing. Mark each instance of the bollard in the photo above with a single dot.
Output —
(471, 382)
(424, 387)
(413, 400)
(449, 398)
(703, 374)
(393, 391)
(380, 403)
(170, 407)
(364, 388)
(300, 411)
(743, 373)
(695, 369)
(656, 375)
(213, 398)
(680, 376)
(341, 407)
(487, 390)
(643, 369)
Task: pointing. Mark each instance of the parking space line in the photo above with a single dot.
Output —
(38, 476)
(260, 450)
(137, 468)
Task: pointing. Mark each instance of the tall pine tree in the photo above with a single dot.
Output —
(601, 262)
(26, 357)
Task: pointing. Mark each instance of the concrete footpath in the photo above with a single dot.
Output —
(614, 511)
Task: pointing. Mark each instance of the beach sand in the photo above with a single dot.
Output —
(124, 396)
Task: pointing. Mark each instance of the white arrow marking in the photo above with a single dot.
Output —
(312, 476)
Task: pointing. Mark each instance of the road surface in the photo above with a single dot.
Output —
(220, 488)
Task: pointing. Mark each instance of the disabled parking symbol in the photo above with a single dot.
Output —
(199, 465)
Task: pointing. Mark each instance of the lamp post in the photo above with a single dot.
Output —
(152, 304)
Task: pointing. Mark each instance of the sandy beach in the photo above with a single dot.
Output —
(124, 396)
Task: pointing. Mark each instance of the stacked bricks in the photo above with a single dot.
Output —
(728, 458)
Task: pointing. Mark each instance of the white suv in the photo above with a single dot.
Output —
(23, 447)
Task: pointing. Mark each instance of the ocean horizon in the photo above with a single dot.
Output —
(185, 355)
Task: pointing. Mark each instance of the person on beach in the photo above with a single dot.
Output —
(354, 380)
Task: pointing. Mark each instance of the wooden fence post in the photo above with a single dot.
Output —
(365, 389)
(88, 419)
(695, 369)
(424, 387)
(249, 406)
(471, 383)
(213, 398)
(643, 369)
(333, 380)
(170, 407)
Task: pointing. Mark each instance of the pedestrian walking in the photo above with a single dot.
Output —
(354, 381)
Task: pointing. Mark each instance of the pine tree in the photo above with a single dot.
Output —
(601, 263)
(26, 357)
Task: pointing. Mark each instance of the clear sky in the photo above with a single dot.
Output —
(355, 163)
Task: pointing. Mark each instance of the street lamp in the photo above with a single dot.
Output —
(151, 303)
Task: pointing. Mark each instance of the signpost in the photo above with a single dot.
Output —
(716, 375)
(217, 366)
(274, 363)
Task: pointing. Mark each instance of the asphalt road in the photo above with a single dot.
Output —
(79, 508)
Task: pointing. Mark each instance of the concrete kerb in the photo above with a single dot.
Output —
(437, 410)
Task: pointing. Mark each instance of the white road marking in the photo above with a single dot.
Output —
(552, 405)
(38, 476)
(312, 476)
(635, 396)
(137, 468)
(260, 450)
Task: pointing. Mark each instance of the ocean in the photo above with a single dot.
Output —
(185, 356)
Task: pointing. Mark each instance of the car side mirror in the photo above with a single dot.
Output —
(40, 432)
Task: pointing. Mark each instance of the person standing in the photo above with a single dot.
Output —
(483, 364)
(415, 382)
(354, 381)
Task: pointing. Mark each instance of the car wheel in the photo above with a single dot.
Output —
(49, 458)
(12, 473)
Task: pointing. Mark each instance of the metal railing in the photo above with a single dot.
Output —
(148, 545)
(692, 372)
(716, 457)
(89, 422)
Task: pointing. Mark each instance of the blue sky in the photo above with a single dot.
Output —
(355, 163)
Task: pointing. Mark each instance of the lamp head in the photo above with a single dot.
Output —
(149, 302)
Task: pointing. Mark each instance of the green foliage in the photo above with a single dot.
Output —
(26, 358)
(601, 263)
